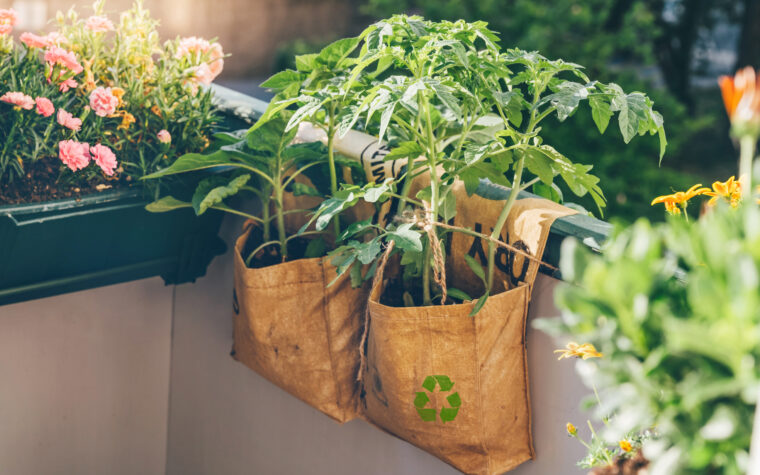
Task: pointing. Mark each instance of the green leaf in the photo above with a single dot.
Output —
(600, 112)
(568, 96)
(333, 53)
(552, 192)
(167, 203)
(315, 248)
(476, 267)
(631, 108)
(374, 193)
(405, 238)
(310, 107)
(448, 209)
(481, 301)
(212, 191)
(282, 80)
(458, 294)
(302, 189)
(540, 165)
(368, 251)
(306, 62)
(195, 161)
(409, 150)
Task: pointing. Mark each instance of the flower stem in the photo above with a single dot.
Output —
(747, 154)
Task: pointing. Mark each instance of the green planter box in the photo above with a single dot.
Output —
(68, 245)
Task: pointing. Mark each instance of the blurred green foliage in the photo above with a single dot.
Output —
(675, 308)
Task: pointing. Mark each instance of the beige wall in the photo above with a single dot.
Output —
(250, 30)
(84, 382)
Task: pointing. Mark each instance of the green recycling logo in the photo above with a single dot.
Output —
(421, 400)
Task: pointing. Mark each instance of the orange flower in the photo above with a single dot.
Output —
(625, 446)
(584, 351)
(741, 95)
(680, 198)
(731, 190)
(571, 430)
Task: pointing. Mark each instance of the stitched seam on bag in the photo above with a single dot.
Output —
(526, 381)
(480, 399)
(325, 311)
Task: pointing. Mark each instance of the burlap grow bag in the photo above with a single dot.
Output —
(299, 334)
(483, 356)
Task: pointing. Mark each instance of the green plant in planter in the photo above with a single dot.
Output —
(98, 104)
(458, 108)
(263, 164)
(316, 88)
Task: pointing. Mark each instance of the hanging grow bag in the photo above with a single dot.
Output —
(298, 333)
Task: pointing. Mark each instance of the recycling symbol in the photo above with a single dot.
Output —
(422, 399)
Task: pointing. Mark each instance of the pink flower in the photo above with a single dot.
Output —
(67, 84)
(192, 46)
(164, 136)
(202, 74)
(8, 17)
(55, 38)
(73, 154)
(103, 102)
(45, 106)
(99, 24)
(69, 121)
(34, 41)
(216, 59)
(59, 56)
(105, 158)
(5, 29)
(18, 99)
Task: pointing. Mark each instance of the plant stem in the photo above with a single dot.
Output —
(496, 233)
(426, 300)
(331, 164)
(747, 154)
(265, 213)
(281, 237)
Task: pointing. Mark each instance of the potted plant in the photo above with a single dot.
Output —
(459, 109)
(85, 111)
(674, 308)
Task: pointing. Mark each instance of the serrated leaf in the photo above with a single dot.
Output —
(315, 248)
(568, 96)
(306, 62)
(355, 228)
(195, 161)
(600, 112)
(333, 53)
(409, 150)
(405, 238)
(540, 165)
(368, 251)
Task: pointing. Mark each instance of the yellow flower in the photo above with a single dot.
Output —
(584, 351)
(571, 430)
(119, 93)
(680, 198)
(625, 446)
(156, 110)
(127, 119)
(730, 189)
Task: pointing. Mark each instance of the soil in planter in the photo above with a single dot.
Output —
(41, 184)
(393, 295)
(271, 255)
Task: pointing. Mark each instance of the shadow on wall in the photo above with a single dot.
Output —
(249, 30)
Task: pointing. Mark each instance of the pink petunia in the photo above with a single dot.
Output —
(68, 84)
(164, 136)
(73, 154)
(45, 106)
(69, 121)
(99, 24)
(18, 99)
(56, 55)
(103, 101)
(34, 41)
(105, 158)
